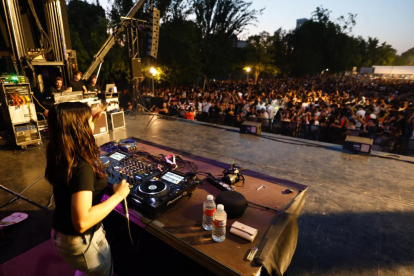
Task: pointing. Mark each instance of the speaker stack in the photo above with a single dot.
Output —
(136, 68)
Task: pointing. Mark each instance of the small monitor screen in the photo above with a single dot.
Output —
(172, 177)
(117, 156)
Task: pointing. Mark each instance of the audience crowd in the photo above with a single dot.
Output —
(378, 108)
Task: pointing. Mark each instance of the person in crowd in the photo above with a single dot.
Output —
(76, 84)
(261, 114)
(164, 110)
(409, 133)
(206, 108)
(154, 109)
(125, 100)
(215, 111)
(93, 86)
(270, 110)
(78, 179)
(58, 86)
(190, 113)
(230, 115)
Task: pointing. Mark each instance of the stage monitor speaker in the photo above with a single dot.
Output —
(101, 125)
(136, 68)
(358, 144)
(117, 120)
(251, 127)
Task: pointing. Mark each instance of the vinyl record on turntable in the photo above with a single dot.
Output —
(153, 188)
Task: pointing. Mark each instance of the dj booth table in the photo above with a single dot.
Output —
(277, 231)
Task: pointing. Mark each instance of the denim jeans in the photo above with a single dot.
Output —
(89, 253)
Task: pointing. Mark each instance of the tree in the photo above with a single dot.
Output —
(220, 21)
(406, 58)
(179, 51)
(174, 9)
(119, 8)
(178, 54)
(374, 53)
(88, 30)
(261, 54)
(322, 43)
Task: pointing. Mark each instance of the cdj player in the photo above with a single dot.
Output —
(155, 188)
(158, 195)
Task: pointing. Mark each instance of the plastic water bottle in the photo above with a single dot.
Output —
(209, 207)
(219, 224)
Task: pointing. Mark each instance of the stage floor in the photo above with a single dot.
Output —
(357, 219)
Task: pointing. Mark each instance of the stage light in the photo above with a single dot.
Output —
(247, 70)
(153, 71)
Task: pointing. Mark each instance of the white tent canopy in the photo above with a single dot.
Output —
(394, 70)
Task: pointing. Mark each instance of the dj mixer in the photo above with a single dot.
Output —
(155, 187)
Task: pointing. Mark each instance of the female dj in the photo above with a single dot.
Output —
(76, 173)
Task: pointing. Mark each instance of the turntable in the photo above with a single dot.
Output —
(160, 194)
(153, 188)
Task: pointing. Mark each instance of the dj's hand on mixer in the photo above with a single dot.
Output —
(133, 171)
(122, 188)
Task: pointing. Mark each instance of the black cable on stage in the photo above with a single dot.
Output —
(391, 158)
(16, 197)
(192, 165)
(266, 207)
(129, 232)
(206, 174)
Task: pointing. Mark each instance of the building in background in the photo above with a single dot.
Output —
(241, 44)
(300, 22)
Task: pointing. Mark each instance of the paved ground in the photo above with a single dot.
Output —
(357, 219)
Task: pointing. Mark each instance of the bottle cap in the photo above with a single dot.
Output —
(210, 197)
(220, 207)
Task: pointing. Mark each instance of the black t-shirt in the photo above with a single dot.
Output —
(94, 88)
(76, 85)
(54, 90)
(83, 179)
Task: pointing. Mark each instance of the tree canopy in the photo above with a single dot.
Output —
(199, 38)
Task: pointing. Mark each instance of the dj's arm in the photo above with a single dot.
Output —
(84, 215)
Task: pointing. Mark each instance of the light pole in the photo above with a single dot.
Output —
(153, 71)
(247, 70)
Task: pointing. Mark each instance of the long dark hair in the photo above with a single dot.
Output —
(71, 140)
